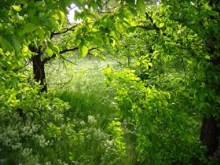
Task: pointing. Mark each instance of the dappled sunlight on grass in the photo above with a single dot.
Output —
(81, 75)
(82, 86)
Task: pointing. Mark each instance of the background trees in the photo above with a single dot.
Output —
(179, 66)
(166, 86)
(205, 23)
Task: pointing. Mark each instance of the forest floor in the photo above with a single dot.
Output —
(81, 83)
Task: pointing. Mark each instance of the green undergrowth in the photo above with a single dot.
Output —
(97, 133)
(93, 134)
(82, 85)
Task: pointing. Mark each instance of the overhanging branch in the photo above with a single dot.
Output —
(61, 52)
(65, 51)
(68, 50)
(72, 28)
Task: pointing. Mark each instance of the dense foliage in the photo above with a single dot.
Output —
(171, 82)
(160, 105)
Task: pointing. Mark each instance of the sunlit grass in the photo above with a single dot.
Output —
(82, 86)
(82, 74)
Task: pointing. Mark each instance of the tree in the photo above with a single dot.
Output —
(205, 22)
(182, 41)
(24, 24)
(202, 19)
(184, 46)
(27, 31)
(83, 37)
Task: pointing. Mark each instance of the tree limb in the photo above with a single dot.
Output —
(61, 52)
(64, 51)
(68, 50)
(72, 28)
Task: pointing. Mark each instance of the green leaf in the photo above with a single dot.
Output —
(141, 6)
(130, 2)
(160, 25)
(16, 45)
(83, 50)
(207, 57)
(28, 28)
(5, 43)
(25, 49)
(53, 47)
(16, 8)
(49, 51)
(62, 16)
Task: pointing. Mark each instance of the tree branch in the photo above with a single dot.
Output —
(68, 50)
(65, 59)
(72, 28)
(64, 51)
(145, 27)
(91, 49)
(61, 52)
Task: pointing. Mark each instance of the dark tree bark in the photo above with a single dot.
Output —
(39, 63)
(210, 130)
(209, 135)
(39, 71)
(38, 67)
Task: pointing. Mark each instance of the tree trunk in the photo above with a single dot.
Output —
(38, 67)
(39, 72)
(209, 135)
(210, 130)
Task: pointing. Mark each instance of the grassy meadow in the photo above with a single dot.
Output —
(93, 131)
(92, 114)
(82, 84)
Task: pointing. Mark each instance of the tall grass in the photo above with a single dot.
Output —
(82, 86)
(97, 131)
